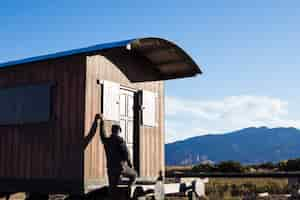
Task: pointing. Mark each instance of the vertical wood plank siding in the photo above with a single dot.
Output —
(99, 67)
(51, 150)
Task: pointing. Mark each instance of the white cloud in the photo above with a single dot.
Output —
(186, 118)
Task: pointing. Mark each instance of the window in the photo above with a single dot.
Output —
(149, 108)
(25, 104)
(111, 101)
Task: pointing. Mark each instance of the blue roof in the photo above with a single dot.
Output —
(167, 59)
(94, 48)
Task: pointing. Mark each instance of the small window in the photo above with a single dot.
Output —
(149, 108)
(25, 104)
(111, 101)
(130, 106)
(122, 105)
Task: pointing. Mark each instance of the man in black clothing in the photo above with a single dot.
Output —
(117, 155)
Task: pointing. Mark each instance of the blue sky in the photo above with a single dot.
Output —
(249, 52)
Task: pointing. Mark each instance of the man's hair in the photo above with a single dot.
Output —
(115, 128)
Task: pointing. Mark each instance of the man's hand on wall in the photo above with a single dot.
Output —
(98, 117)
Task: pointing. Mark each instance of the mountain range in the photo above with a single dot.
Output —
(248, 146)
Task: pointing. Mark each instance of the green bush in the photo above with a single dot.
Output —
(204, 168)
(290, 165)
(267, 165)
(236, 167)
(225, 166)
(230, 166)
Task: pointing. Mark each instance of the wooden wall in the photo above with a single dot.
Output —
(103, 67)
(45, 152)
(52, 156)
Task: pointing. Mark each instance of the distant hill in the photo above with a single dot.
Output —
(248, 146)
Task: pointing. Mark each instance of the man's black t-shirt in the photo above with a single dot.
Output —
(117, 154)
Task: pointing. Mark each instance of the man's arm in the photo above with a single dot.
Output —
(102, 131)
(92, 131)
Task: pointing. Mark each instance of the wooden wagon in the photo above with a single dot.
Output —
(48, 103)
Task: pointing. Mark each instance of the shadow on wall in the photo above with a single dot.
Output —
(135, 67)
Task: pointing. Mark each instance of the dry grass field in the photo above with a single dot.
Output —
(259, 182)
(235, 188)
(226, 188)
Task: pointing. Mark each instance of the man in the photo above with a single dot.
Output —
(117, 155)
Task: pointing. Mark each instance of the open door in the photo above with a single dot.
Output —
(119, 107)
(127, 119)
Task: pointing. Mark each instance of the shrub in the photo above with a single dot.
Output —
(267, 165)
(290, 165)
(230, 166)
(204, 168)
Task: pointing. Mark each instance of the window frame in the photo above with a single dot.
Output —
(51, 115)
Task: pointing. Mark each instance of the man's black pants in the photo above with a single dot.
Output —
(114, 178)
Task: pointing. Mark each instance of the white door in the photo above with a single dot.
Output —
(111, 95)
(126, 118)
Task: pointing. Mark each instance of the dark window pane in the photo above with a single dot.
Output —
(26, 104)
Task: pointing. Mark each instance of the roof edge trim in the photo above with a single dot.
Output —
(133, 43)
(61, 54)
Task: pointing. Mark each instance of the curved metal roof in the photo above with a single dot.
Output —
(166, 57)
